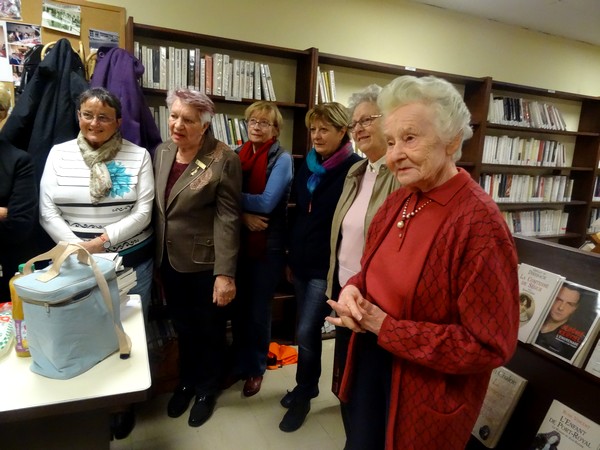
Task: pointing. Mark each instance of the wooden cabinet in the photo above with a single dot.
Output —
(549, 378)
(293, 74)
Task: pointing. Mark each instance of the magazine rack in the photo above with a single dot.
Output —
(550, 378)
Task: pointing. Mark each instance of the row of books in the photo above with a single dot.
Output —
(525, 113)
(169, 67)
(545, 222)
(561, 318)
(523, 151)
(514, 188)
(326, 86)
(562, 427)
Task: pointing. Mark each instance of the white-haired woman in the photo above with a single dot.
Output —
(366, 186)
(435, 306)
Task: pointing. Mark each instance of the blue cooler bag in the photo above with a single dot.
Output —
(72, 312)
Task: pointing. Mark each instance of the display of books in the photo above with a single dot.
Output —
(570, 322)
(537, 290)
(565, 429)
(503, 393)
(126, 281)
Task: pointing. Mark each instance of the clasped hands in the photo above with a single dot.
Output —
(356, 312)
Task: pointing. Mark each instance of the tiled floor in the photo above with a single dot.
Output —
(244, 423)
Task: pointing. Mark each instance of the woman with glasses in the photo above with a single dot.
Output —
(367, 185)
(97, 190)
(267, 177)
(318, 184)
(197, 218)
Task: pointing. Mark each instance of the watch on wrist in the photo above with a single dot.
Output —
(105, 242)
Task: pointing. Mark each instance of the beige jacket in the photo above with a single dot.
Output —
(385, 183)
(199, 224)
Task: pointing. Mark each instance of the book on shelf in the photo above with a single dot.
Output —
(272, 96)
(264, 84)
(570, 323)
(503, 393)
(537, 290)
(593, 363)
(208, 81)
(564, 428)
(257, 83)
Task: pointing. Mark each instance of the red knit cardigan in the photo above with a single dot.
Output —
(460, 324)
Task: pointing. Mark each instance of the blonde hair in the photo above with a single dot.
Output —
(334, 113)
(269, 109)
(5, 100)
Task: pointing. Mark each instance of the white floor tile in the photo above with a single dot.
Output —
(244, 423)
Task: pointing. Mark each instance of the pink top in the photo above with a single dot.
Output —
(353, 230)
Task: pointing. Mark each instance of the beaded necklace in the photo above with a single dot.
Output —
(406, 216)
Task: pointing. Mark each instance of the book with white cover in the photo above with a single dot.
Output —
(270, 83)
(504, 391)
(537, 289)
(564, 428)
(570, 322)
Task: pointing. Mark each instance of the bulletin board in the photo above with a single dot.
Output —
(93, 16)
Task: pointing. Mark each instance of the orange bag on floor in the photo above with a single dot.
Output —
(280, 355)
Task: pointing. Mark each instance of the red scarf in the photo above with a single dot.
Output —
(254, 168)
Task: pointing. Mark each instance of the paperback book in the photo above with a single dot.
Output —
(503, 394)
(569, 325)
(537, 290)
(565, 429)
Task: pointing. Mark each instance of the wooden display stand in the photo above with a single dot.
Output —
(550, 378)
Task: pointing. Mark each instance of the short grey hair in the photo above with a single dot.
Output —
(453, 116)
(196, 99)
(367, 95)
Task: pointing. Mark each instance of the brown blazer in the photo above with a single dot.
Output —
(199, 224)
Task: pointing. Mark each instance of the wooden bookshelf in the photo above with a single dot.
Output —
(293, 87)
(549, 378)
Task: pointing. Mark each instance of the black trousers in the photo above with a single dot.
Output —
(366, 413)
(200, 326)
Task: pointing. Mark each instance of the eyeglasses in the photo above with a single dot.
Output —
(365, 122)
(260, 123)
(90, 117)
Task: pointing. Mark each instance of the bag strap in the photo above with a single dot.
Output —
(58, 255)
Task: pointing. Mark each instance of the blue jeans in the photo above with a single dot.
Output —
(251, 321)
(312, 310)
(143, 288)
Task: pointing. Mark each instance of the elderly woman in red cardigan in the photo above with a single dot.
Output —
(435, 306)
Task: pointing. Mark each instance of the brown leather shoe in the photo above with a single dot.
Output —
(252, 386)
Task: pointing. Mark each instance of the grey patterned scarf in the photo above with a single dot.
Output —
(95, 159)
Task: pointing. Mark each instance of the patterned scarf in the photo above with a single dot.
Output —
(319, 169)
(95, 159)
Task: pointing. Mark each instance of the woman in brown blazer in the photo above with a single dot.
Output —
(198, 196)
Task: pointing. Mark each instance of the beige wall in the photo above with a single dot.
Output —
(393, 31)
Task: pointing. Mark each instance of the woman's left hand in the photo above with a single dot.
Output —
(223, 290)
(372, 316)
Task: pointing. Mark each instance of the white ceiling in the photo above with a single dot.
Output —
(572, 19)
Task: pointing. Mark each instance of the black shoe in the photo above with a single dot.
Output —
(122, 423)
(289, 398)
(202, 410)
(295, 415)
(180, 400)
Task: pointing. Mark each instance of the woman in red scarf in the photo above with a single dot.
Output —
(267, 177)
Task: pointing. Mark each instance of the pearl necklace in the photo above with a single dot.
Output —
(405, 216)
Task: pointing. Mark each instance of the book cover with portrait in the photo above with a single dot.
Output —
(565, 429)
(570, 322)
(537, 289)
